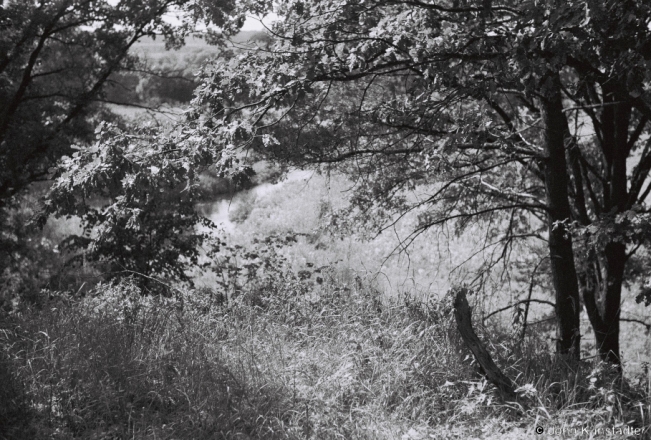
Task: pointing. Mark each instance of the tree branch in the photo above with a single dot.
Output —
(515, 304)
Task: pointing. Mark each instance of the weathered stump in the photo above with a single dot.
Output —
(463, 317)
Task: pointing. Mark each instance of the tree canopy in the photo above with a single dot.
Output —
(60, 63)
(56, 61)
(531, 114)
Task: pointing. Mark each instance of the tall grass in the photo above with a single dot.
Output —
(123, 366)
(283, 343)
(288, 357)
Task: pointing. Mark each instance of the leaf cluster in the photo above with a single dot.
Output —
(135, 193)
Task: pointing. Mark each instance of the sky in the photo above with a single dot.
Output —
(254, 24)
(251, 24)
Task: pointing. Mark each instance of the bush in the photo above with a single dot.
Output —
(31, 259)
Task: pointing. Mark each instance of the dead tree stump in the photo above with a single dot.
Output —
(463, 317)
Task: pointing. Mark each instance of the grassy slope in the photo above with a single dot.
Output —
(353, 355)
(286, 359)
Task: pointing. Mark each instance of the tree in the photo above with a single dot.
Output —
(59, 60)
(530, 114)
(147, 226)
(56, 60)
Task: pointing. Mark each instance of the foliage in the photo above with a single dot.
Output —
(528, 115)
(30, 258)
(261, 267)
(58, 62)
(55, 59)
(142, 190)
(136, 190)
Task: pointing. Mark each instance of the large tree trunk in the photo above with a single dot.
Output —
(607, 337)
(602, 297)
(604, 311)
(564, 275)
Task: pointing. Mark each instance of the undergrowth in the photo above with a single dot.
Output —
(314, 354)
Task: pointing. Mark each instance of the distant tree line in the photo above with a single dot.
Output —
(170, 79)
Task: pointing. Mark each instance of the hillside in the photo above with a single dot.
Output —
(155, 48)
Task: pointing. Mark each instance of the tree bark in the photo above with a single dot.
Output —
(564, 276)
(604, 312)
(602, 298)
(463, 317)
(607, 337)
